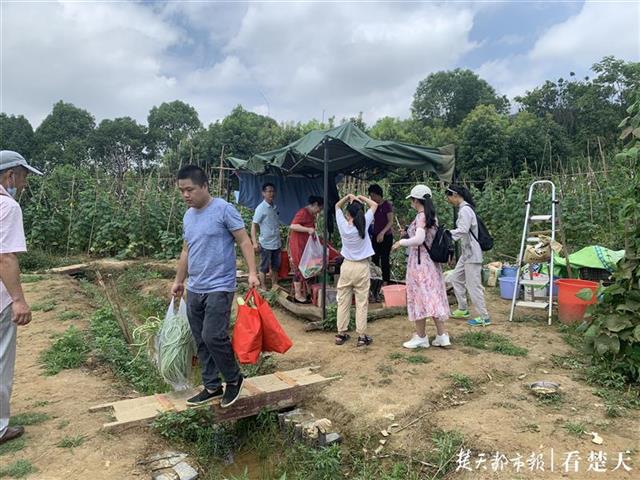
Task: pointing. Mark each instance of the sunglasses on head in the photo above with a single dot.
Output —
(450, 193)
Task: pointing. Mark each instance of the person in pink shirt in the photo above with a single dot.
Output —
(14, 310)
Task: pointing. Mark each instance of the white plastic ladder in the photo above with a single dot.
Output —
(529, 238)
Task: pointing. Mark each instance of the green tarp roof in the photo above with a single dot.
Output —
(350, 151)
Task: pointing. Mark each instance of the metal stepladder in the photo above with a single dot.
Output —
(528, 237)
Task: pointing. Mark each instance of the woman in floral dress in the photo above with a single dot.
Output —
(426, 291)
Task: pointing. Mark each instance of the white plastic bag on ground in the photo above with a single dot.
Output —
(311, 261)
(175, 347)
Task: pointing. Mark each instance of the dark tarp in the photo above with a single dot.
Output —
(292, 192)
(350, 151)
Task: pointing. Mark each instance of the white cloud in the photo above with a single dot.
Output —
(343, 58)
(103, 58)
(599, 29)
(228, 74)
(292, 60)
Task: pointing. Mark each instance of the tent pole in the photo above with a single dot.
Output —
(325, 232)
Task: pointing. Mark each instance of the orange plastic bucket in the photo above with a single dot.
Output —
(571, 309)
(395, 295)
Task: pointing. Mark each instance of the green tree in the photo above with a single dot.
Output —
(170, 124)
(401, 130)
(118, 145)
(246, 133)
(483, 145)
(536, 142)
(16, 134)
(588, 109)
(447, 97)
(61, 138)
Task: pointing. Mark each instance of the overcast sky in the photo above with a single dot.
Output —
(291, 60)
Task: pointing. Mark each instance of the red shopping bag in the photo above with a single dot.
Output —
(274, 338)
(247, 332)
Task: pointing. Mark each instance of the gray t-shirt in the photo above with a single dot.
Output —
(266, 216)
(212, 252)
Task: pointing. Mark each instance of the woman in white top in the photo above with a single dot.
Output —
(354, 272)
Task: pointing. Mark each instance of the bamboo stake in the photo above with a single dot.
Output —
(221, 173)
(93, 218)
(117, 308)
(73, 186)
(604, 161)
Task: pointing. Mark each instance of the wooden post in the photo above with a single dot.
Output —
(73, 185)
(325, 235)
(221, 173)
(604, 161)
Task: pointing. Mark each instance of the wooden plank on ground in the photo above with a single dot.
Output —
(266, 392)
(70, 269)
(310, 312)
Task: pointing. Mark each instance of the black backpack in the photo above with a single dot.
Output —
(484, 238)
(441, 250)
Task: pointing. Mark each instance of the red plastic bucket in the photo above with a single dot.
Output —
(395, 295)
(571, 309)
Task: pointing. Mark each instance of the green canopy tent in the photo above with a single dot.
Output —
(348, 150)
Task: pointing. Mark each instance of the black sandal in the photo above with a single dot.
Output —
(341, 338)
(364, 340)
(305, 302)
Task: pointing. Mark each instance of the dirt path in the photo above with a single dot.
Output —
(66, 397)
(497, 414)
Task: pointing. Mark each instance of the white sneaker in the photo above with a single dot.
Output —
(441, 340)
(417, 342)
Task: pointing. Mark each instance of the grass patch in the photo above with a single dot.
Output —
(617, 402)
(414, 359)
(493, 342)
(385, 370)
(571, 335)
(112, 349)
(30, 278)
(63, 424)
(417, 359)
(567, 362)
(551, 399)
(68, 315)
(17, 469)
(45, 306)
(29, 418)
(576, 429)
(68, 351)
(265, 366)
(447, 444)
(531, 428)
(603, 375)
(40, 403)
(13, 446)
(71, 442)
(462, 381)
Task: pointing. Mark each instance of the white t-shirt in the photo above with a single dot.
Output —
(354, 247)
(11, 236)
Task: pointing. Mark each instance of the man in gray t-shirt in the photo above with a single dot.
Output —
(266, 218)
(212, 227)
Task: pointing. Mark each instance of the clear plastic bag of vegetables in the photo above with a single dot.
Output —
(175, 347)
